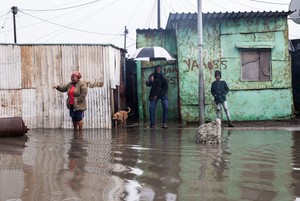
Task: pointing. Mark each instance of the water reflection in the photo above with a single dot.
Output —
(136, 163)
(11, 167)
(295, 181)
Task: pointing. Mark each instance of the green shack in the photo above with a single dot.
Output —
(251, 49)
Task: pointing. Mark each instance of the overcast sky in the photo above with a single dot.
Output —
(104, 21)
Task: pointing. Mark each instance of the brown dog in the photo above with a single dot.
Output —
(121, 116)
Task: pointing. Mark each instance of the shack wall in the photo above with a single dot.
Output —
(247, 100)
(28, 73)
(162, 38)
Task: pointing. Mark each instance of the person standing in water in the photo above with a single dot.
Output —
(158, 91)
(76, 101)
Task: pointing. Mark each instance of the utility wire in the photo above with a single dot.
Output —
(65, 26)
(151, 15)
(239, 3)
(82, 20)
(218, 5)
(268, 2)
(5, 15)
(134, 13)
(5, 19)
(193, 5)
(57, 9)
(41, 21)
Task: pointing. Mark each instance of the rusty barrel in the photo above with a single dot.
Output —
(12, 127)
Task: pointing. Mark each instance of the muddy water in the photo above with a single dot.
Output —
(142, 164)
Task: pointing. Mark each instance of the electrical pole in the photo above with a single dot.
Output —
(125, 34)
(158, 14)
(200, 62)
(14, 10)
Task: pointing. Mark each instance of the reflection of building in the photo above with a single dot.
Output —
(11, 167)
(61, 165)
(261, 168)
(295, 186)
(251, 50)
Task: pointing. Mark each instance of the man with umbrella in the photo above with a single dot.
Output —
(159, 90)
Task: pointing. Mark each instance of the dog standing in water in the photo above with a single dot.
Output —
(122, 116)
(210, 132)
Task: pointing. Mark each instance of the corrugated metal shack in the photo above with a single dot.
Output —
(28, 73)
(249, 48)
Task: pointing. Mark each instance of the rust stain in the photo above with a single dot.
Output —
(27, 66)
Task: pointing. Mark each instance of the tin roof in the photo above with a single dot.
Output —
(173, 17)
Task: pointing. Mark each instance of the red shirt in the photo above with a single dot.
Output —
(71, 95)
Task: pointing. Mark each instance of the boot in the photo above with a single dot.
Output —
(230, 124)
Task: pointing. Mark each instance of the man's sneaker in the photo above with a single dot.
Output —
(164, 125)
(230, 124)
(152, 126)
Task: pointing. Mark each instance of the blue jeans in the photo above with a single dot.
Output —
(152, 107)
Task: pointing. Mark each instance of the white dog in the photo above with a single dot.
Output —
(210, 132)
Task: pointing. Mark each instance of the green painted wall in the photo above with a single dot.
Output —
(170, 72)
(222, 40)
(164, 39)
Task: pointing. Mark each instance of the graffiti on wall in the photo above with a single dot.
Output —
(207, 56)
(214, 64)
(171, 73)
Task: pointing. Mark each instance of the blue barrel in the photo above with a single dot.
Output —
(12, 127)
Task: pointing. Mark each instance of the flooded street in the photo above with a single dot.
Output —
(137, 163)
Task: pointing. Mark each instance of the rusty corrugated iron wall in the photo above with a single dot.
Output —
(28, 73)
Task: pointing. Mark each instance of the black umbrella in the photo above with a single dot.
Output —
(152, 54)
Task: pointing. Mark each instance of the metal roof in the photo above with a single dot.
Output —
(173, 17)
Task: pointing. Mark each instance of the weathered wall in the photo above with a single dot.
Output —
(28, 73)
(164, 39)
(221, 39)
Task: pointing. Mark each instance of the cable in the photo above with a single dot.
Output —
(151, 15)
(218, 5)
(71, 7)
(245, 5)
(267, 2)
(65, 26)
(134, 13)
(194, 6)
(5, 19)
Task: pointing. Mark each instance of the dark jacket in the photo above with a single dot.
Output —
(79, 94)
(219, 89)
(159, 86)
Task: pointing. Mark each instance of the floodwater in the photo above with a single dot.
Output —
(137, 163)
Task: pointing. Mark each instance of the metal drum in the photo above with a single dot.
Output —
(12, 127)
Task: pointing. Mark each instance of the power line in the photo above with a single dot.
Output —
(267, 2)
(66, 26)
(5, 19)
(57, 9)
(239, 3)
(134, 13)
(151, 15)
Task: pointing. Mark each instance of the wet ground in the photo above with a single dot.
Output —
(253, 162)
